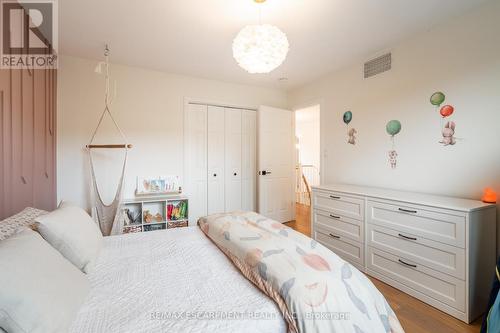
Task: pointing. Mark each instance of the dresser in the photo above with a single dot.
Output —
(441, 250)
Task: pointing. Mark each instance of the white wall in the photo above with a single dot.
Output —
(148, 107)
(460, 58)
(308, 132)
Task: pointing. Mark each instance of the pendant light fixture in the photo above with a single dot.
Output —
(260, 48)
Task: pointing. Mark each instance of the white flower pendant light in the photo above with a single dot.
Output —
(260, 48)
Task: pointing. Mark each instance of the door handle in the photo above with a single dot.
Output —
(334, 197)
(215, 175)
(334, 216)
(334, 236)
(235, 174)
(407, 264)
(407, 210)
(406, 237)
(264, 172)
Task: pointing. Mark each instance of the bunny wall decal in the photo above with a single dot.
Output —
(352, 136)
(448, 134)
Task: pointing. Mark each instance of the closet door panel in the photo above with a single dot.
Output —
(27, 136)
(196, 160)
(216, 147)
(21, 191)
(233, 137)
(27, 154)
(42, 177)
(5, 144)
(51, 139)
(249, 160)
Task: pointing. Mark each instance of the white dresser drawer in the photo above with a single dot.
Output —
(341, 204)
(435, 224)
(345, 248)
(339, 225)
(444, 288)
(442, 257)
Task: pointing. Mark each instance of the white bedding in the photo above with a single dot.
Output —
(141, 279)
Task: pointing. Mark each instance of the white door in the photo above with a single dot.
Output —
(216, 128)
(249, 160)
(275, 163)
(233, 159)
(196, 160)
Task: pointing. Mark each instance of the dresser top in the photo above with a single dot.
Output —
(452, 203)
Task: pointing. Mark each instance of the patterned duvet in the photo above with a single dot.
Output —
(315, 289)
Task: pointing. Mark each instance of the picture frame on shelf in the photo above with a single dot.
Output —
(158, 185)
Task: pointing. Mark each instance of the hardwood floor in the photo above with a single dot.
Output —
(414, 315)
(303, 220)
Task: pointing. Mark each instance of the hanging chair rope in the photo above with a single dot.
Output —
(107, 215)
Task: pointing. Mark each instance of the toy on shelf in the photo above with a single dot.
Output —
(154, 213)
(148, 217)
(177, 210)
(132, 216)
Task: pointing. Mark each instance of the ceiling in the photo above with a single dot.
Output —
(194, 37)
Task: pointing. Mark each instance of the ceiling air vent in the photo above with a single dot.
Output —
(378, 65)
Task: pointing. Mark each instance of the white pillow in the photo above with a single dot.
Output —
(40, 290)
(71, 231)
(10, 225)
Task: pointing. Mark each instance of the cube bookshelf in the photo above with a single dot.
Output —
(154, 213)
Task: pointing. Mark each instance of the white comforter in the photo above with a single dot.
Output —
(142, 281)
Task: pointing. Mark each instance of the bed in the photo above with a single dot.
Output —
(140, 279)
(237, 272)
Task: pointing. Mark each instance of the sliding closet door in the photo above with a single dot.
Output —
(216, 145)
(195, 150)
(27, 140)
(233, 159)
(5, 145)
(249, 160)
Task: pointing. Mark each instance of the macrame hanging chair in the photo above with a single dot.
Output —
(107, 216)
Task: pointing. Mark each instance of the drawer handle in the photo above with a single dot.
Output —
(334, 217)
(407, 210)
(334, 197)
(335, 236)
(406, 237)
(407, 264)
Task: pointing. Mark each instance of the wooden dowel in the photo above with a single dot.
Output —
(109, 146)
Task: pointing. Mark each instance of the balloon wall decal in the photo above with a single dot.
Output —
(447, 111)
(347, 117)
(350, 132)
(448, 132)
(437, 98)
(393, 128)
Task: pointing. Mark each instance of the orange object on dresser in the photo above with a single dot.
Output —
(489, 196)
